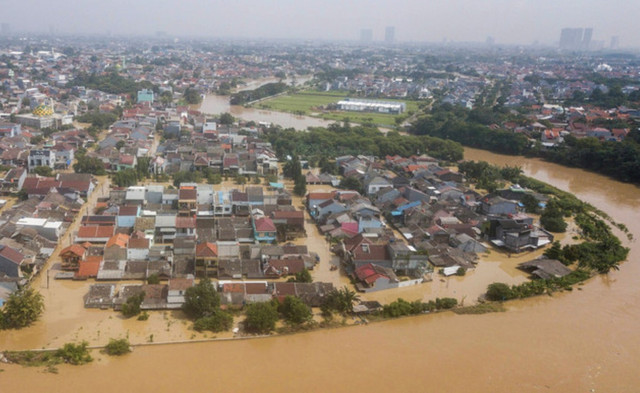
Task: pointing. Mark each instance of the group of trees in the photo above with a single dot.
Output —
(262, 317)
(86, 164)
(101, 120)
(338, 140)
(263, 91)
(111, 82)
(202, 303)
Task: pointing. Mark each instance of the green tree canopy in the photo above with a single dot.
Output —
(201, 300)
(261, 317)
(295, 311)
(21, 309)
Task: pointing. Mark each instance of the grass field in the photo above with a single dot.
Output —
(307, 103)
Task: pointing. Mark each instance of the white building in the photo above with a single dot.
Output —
(372, 106)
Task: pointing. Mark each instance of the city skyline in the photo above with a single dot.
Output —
(513, 22)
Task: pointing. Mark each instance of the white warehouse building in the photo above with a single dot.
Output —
(372, 106)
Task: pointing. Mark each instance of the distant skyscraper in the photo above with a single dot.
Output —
(366, 35)
(615, 42)
(390, 34)
(571, 39)
(6, 29)
(586, 38)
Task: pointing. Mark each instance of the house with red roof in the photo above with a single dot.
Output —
(95, 234)
(264, 230)
(372, 278)
(206, 259)
(71, 256)
(10, 261)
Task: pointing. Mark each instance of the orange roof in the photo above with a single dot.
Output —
(119, 240)
(96, 231)
(89, 267)
(206, 250)
(74, 249)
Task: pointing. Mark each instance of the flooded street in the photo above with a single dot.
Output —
(581, 341)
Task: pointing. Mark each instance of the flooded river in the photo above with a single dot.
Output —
(581, 341)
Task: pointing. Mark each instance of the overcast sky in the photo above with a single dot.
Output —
(507, 21)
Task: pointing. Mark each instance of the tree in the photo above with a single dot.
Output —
(304, 276)
(201, 300)
(300, 186)
(21, 309)
(117, 347)
(125, 178)
(153, 279)
(92, 165)
(192, 96)
(295, 311)
(132, 305)
(552, 218)
(219, 321)
(530, 203)
(340, 300)
(226, 119)
(120, 144)
(351, 183)
(499, 292)
(43, 171)
(261, 317)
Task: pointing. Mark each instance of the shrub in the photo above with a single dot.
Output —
(75, 354)
(117, 347)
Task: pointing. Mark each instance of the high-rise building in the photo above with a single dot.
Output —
(366, 35)
(615, 42)
(390, 34)
(571, 38)
(586, 38)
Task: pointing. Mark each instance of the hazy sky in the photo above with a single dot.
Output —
(508, 21)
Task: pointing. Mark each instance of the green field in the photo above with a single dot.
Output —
(306, 103)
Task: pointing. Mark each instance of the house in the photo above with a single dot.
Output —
(41, 157)
(176, 291)
(264, 229)
(100, 296)
(545, 268)
(376, 184)
(71, 256)
(517, 235)
(11, 261)
(293, 219)
(496, 205)
(89, 267)
(326, 208)
(127, 216)
(316, 198)
(206, 259)
(376, 254)
(94, 234)
(116, 248)
(138, 248)
(372, 278)
(14, 179)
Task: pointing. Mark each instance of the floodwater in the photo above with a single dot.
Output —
(581, 341)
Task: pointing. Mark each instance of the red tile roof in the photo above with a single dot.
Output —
(264, 224)
(96, 231)
(89, 267)
(206, 250)
(75, 249)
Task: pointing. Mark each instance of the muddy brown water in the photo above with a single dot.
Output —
(581, 341)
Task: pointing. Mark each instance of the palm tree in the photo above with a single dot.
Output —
(347, 297)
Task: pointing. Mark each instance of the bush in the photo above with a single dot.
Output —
(153, 279)
(75, 354)
(218, 322)
(499, 291)
(117, 347)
